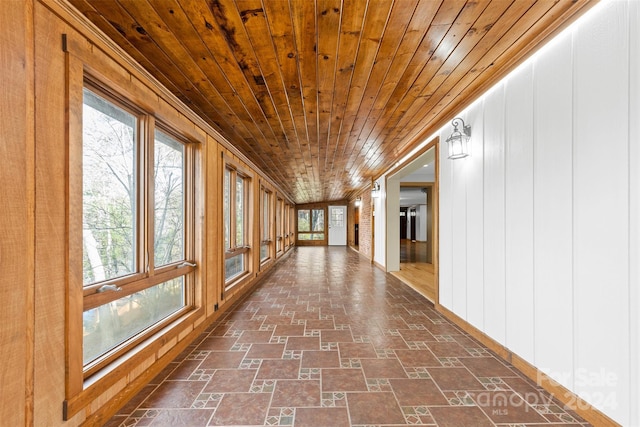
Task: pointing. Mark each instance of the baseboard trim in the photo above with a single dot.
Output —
(564, 395)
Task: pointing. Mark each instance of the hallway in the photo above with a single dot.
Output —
(329, 340)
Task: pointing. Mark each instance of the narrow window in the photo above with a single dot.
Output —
(265, 225)
(236, 192)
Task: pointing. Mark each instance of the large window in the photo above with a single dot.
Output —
(265, 224)
(137, 219)
(236, 227)
(311, 224)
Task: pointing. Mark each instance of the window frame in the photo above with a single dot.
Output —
(234, 250)
(146, 275)
(279, 218)
(311, 242)
(266, 214)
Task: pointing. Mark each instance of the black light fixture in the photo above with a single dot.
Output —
(458, 141)
(375, 189)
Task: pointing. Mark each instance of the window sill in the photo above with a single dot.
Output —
(156, 347)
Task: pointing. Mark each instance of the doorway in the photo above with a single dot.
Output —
(337, 225)
(412, 240)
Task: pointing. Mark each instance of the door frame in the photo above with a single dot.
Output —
(329, 228)
(392, 226)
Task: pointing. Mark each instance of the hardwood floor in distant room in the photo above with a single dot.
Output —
(414, 271)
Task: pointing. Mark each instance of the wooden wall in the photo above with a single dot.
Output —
(539, 226)
(38, 67)
(16, 215)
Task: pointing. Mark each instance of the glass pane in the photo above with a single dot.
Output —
(233, 267)
(239, 211)
(169, 200)
(304, 236)
(108, 190)
(317, 236)
(318, 220)
(112, 324)
(265, 216)
(227, 209)
(337, 217)
(303, 220)
(264, 251)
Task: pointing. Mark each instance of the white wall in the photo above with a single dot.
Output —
(421, 224)
(543, 219)
(379, 228)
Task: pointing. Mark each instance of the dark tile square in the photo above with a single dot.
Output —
(242, 409)
(458, 416)
(374, 408)
(222, 360)
(279, 369)
(343, 380)
(320, 359)
(322, 417)
(383, 368)
(265, 351)
(303, 343)
(231, 381)
(417, 358)
(417, 392)
(174, 394)
(296, 393)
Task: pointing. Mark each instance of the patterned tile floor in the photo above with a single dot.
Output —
(329, 340)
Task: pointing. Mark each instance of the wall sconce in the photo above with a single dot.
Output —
(458, 141)
(375, 189)
(358, 201)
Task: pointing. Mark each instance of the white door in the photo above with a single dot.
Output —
(337, 225)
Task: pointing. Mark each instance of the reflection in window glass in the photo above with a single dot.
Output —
(239, 211)
(234, 266)
(109, 190)
(318, 220)
(169, 200)
(227, 208)
(109, 325)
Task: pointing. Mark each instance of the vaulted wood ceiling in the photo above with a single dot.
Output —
(324, 95)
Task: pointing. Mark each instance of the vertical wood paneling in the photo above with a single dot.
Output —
(16, 245)
(494, 215)
(474, 171)
(600, 216)
(634, 208)
(553, 313)
(519, 211)
(51, 217)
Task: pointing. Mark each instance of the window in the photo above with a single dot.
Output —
(310, 224)
(136, 220)
(236, 235)
(265, 225)
(279, 217)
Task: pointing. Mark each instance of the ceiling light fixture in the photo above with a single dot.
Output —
(458, 141)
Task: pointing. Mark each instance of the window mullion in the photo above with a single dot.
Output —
(146, 220)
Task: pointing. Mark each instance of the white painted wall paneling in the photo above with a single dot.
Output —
(601, 209)
(494, 215)
(519, 212)
(553, 293)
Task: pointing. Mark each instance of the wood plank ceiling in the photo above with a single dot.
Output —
(324, 95)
